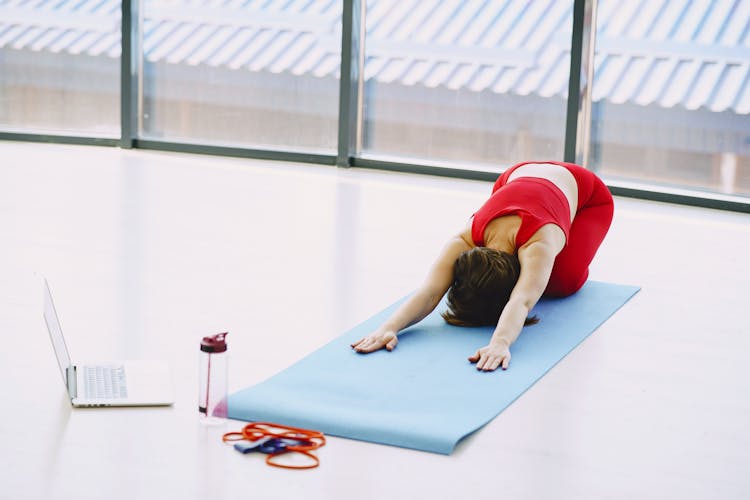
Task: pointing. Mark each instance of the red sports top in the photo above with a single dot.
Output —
(536, 200)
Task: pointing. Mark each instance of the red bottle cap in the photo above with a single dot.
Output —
(215, 343)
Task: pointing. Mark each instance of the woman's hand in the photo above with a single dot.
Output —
(492, 356)
(376, 340)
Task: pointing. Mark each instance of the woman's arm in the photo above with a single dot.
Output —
(537, 258)
(421, 303)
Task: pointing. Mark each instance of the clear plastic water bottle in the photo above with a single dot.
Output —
(212, 395)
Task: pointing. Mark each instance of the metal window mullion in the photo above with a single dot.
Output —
(578, 117)
(351, 84)
(130, 72)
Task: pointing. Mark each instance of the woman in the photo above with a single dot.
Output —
(536, 235)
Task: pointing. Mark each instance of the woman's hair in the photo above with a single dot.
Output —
(483, 279)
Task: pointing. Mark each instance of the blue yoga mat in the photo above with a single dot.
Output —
(425, 394)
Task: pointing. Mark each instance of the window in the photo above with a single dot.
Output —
(260, 74)
(671, 94)
(60, 67)
(478, 84)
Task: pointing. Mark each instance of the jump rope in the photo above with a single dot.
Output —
(276, 440)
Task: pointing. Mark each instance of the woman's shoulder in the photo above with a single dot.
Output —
(550, 235)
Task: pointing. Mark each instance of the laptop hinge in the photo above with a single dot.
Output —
(72, 380)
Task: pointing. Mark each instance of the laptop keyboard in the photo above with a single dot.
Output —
(104, 382)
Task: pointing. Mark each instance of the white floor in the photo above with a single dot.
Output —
(147, 252)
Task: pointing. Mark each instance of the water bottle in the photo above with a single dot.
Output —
(212, 396)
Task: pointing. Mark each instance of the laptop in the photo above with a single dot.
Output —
(116, 383)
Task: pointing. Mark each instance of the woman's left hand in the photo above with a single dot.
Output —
(492, 356)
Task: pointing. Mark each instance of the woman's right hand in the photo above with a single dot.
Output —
(376, 340)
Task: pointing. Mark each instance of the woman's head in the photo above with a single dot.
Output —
(483, 279)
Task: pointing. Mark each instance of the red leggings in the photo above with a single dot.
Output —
(589, 227)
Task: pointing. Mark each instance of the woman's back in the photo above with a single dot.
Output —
(557, 175)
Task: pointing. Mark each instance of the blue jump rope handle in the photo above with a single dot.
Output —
(248, 446)
(266, 445)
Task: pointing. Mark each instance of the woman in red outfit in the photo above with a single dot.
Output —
(536, 235)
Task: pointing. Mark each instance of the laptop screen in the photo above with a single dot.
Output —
(55, 333)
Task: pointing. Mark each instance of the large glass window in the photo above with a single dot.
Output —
(475, 84)
(671, 93)
(481, 84)
(60, 67)
(261, 74)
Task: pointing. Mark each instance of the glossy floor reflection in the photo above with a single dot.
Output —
(146, 252)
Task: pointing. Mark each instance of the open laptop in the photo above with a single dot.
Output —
(117, 383)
